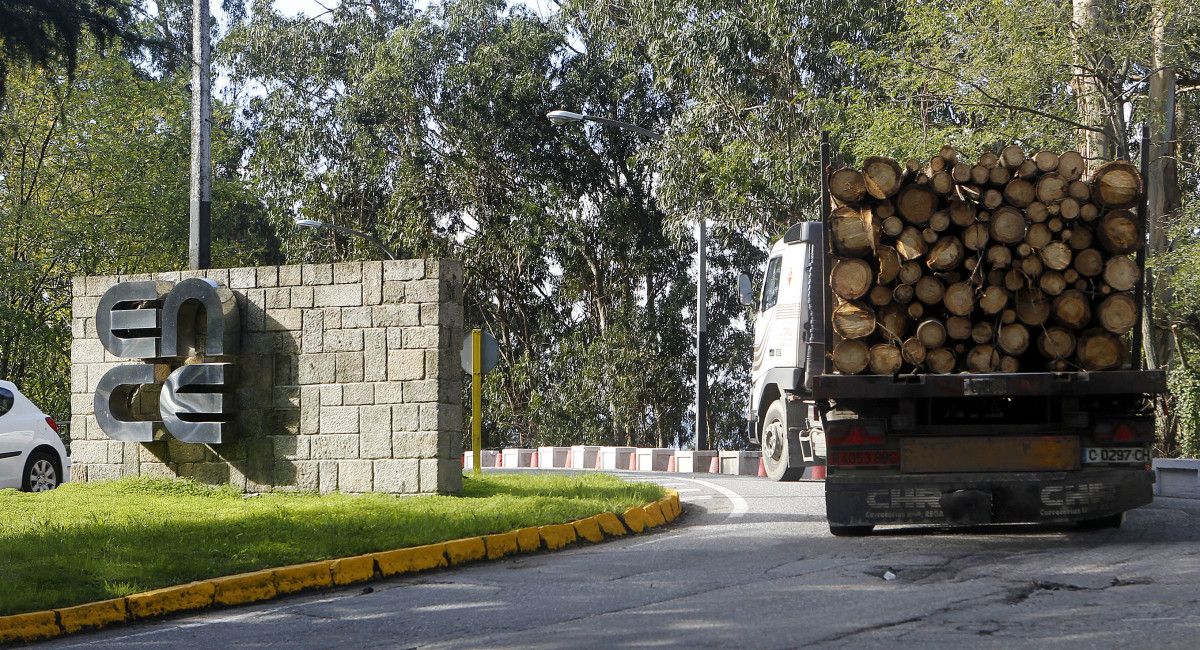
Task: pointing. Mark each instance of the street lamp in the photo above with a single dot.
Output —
(311, 223)
(560, 118)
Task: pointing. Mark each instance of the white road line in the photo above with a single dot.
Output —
(739, 507)
(682, 490)
(696, 497)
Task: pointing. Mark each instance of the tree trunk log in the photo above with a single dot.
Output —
(850, 278)
(1116, 184)
(946, 254)
(1118, 232)
(931, 333)
(1118, 313)
(1051, 188)
(1013, 339)
(853, 320)
(1012, 156)
(882, 176)
(851, 357)
(885, 359)
(930, 290)
(916, 203)
(1121, 273)
(983, 358)
(1032, 306)
(1056, 255)
(982, 332)
(959, 298)
(847, 185)
(1089, 262)
(1046, 161)
(1056, 343)
(958, 328)
(940, 361)
(1072, 309)
(910, 244)
(1052, 283)
(853, 232)
(993, 300)
(913, 351)
(1007, 225)
(889, 264)
(1097, 349)
(1019, 192)
(1071, 165)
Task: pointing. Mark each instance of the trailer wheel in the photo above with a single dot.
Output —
(1102, 523)
(777, 444)
(850, 531)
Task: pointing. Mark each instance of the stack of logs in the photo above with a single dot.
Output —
(1012, 264)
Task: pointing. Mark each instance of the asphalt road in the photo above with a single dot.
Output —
(751, 564)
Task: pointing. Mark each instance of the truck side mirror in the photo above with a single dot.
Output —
(745, 292)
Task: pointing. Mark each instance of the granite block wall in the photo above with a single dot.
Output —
(349, 380)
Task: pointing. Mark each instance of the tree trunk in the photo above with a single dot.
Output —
(1087, 82)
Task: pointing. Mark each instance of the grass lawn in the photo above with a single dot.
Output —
(86, 542)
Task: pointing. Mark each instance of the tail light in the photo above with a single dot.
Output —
(855, 433)
(864, 458)
(1141, 430)
(52, 423)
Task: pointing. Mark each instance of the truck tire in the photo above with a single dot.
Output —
(850, 531)
(1102, 523)
(777, 444)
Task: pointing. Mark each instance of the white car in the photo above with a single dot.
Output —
(32, 458)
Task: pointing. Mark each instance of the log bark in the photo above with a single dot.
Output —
(982, 332)
(980, 174)
(931, 333)
(959, 298)
(1056, 255)
(910, 244)
(940, 361)
(1038, 235)
(916, 310)
(941, 182)
(1032, 267)
(851, 357)
(853, 232)
(1097, 349)
(1056, 343)
(1118, 313)
(1116, 184)
(1071, 165)
(889, 264)
(958, 328)
(847, 185)
(913, 351)
(983, 358)
(992, 198)
(1080, 191)
(1118, 232)
(1088, 211)
(993, 300)
(1072, 309)
(948, 154)
(1089, 262)
(1012, 156)
(1068, 208)
(962, 213)
(1051, 188)
(853, 320)
(880, 296)
(850, 278)
(947, 253)
(999, 176)
(975, 236)
(1032, 306)
(884, 359)
(903, 293)
(1028, 169)
(1046, 161)
(893, 322)
(893, 226)
(910, 272)
(1019, 192)
(1080, 238)
(1052, 283)
(999, 257)
(1013, 339)
(916, 203)
(989, 159)
(1037, 212)
(1007, 225)
(939, 221)
(1121, 273)
(961, 173)
(882, 176)
(930, 290)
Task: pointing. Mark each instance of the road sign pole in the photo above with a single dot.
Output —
(476, 396)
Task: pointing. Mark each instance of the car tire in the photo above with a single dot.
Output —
(777, 444)
(41, 473)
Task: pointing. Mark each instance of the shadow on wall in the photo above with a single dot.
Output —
(266, 438)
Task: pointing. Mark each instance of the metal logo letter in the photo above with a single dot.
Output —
(126, 326)
(112, 403)
(193, 404)
(220, 313)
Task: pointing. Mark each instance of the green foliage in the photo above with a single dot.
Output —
(86, 542)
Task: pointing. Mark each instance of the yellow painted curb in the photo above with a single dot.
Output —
(28, 627)
(529, 540)
(193, 595)
(635, 519)
(411, 560)
(92, 615)
(350, 570)
(466, 550)
(266, 584)
(654, 516)
(611, 524)
(298, 577)
(557, 536)
(501, 545)
(244, 588)
(588, 529)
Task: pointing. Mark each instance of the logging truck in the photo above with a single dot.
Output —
(959, 343)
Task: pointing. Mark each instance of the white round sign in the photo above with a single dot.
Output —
(489, 352)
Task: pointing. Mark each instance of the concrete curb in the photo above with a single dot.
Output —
(266, 584)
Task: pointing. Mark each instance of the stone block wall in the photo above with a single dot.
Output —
(349, 380)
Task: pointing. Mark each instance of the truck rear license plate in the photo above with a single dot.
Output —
(1136, 455)
(989, 454)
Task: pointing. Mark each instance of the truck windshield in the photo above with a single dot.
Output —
(771, 285)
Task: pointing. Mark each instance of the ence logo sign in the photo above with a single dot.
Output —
(166, 325)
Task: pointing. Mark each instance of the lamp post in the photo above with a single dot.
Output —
(311, 223)
(560, 118)
(200, 191)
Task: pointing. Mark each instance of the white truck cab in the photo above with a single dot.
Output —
(788, 351)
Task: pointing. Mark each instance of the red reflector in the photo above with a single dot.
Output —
(53, 424)
(856, 436)
(1126, 431)
(872, 458)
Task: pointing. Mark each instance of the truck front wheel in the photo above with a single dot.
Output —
(777, 444)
